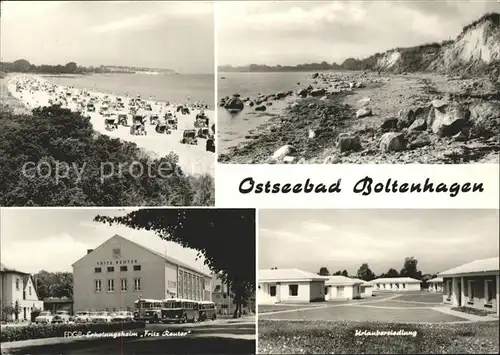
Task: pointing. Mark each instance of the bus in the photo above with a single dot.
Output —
(179, 310)
(207, 310)
(147, 310)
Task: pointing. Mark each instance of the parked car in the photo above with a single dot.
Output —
(122, 316)
(83, 317)
(101, 317)
(45, 317)
(61, 317)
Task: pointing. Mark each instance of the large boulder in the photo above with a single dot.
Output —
(405, 118)
(389, 124)
(364, 112)
(280, 95)
(417, 139)
(260, 108)
(418, 125)
(283, 152)
(302, 92)
(348, 142)
(449, 119)
(234, 104)
(485, 117)
(393, 142)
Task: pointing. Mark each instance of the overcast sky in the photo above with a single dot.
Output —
(289, 33)
(167, 35)
(344, 239)
(53, 239)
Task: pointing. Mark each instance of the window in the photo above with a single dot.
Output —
(137, 267)
(17, 284)
(137, 284)
(29, 290)
(272, 291)
(97, 270)
(293, 290)
(489, 291)
(111, 285)
(111, 268)
(123, 284)
(123, 268)
(97, 285)
(404, 286)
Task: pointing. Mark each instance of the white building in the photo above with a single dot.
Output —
(17, 288)
(396, 284)
(290, 285)
(435, 284)
(119, 271)
(474, 285)
(365, 289)
(341, 287)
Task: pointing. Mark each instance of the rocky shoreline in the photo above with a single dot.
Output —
(371, 117)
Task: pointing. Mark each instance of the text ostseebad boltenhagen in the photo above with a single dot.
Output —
(365, 186)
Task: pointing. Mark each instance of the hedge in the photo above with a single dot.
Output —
(34, 331)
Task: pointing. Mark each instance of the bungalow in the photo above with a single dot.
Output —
(396, 284)
(474, 285)
(435, 284)
(365, 289)
(341, 287)
(290, 286)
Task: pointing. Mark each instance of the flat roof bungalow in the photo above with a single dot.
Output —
(475, 285)
(396, 284)
(341, 287)
(435, 284)
(290, 286)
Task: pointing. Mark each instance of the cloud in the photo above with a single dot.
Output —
(316, 226)
(160, 12)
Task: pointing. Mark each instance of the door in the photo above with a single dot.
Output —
(24, 313)
(272, 293)
(340, 291)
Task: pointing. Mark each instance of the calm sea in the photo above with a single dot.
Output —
(173, 88)
(232, 129)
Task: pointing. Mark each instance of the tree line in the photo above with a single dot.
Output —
(409, 269)
(24, 66)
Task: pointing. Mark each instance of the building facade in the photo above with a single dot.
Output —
(17, 291)
(290, 286)
(473, 285)
(396, 284)
(435, 284)
(118, 272)
(342, 288)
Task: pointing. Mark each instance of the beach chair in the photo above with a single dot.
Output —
(111, 123)
(210, 145)
(189, 137)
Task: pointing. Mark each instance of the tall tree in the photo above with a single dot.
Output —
(53, 284)
(392, 273)
(337, 273)
(365, 273)
(410, 268)
(345, 273)
(224, 237)
(323, 271)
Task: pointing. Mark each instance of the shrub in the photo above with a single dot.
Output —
(35, 331)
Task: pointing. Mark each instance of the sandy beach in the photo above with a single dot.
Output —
(36, 91)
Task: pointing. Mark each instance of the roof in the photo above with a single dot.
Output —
(477, 266)
(164, 257)
(363, 282)
(282, 275)
(401, 280)
(4, 268)
(436, 279)
(338, 280)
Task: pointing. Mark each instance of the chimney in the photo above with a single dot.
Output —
(89, 251)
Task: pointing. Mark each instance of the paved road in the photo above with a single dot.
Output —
(218, 337)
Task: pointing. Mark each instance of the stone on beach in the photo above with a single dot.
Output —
(393, 142)
(260, 108)
(332, 159)
(289, 160)
(283, 152)
(364, 112)
(317, 92)
(348, 142)
(364, 101)
(449, 119)
(311, 134)
(234, 103)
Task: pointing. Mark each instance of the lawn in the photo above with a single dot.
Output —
(360, 314)
(310, 337)
(422, 297)
(282, 307)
